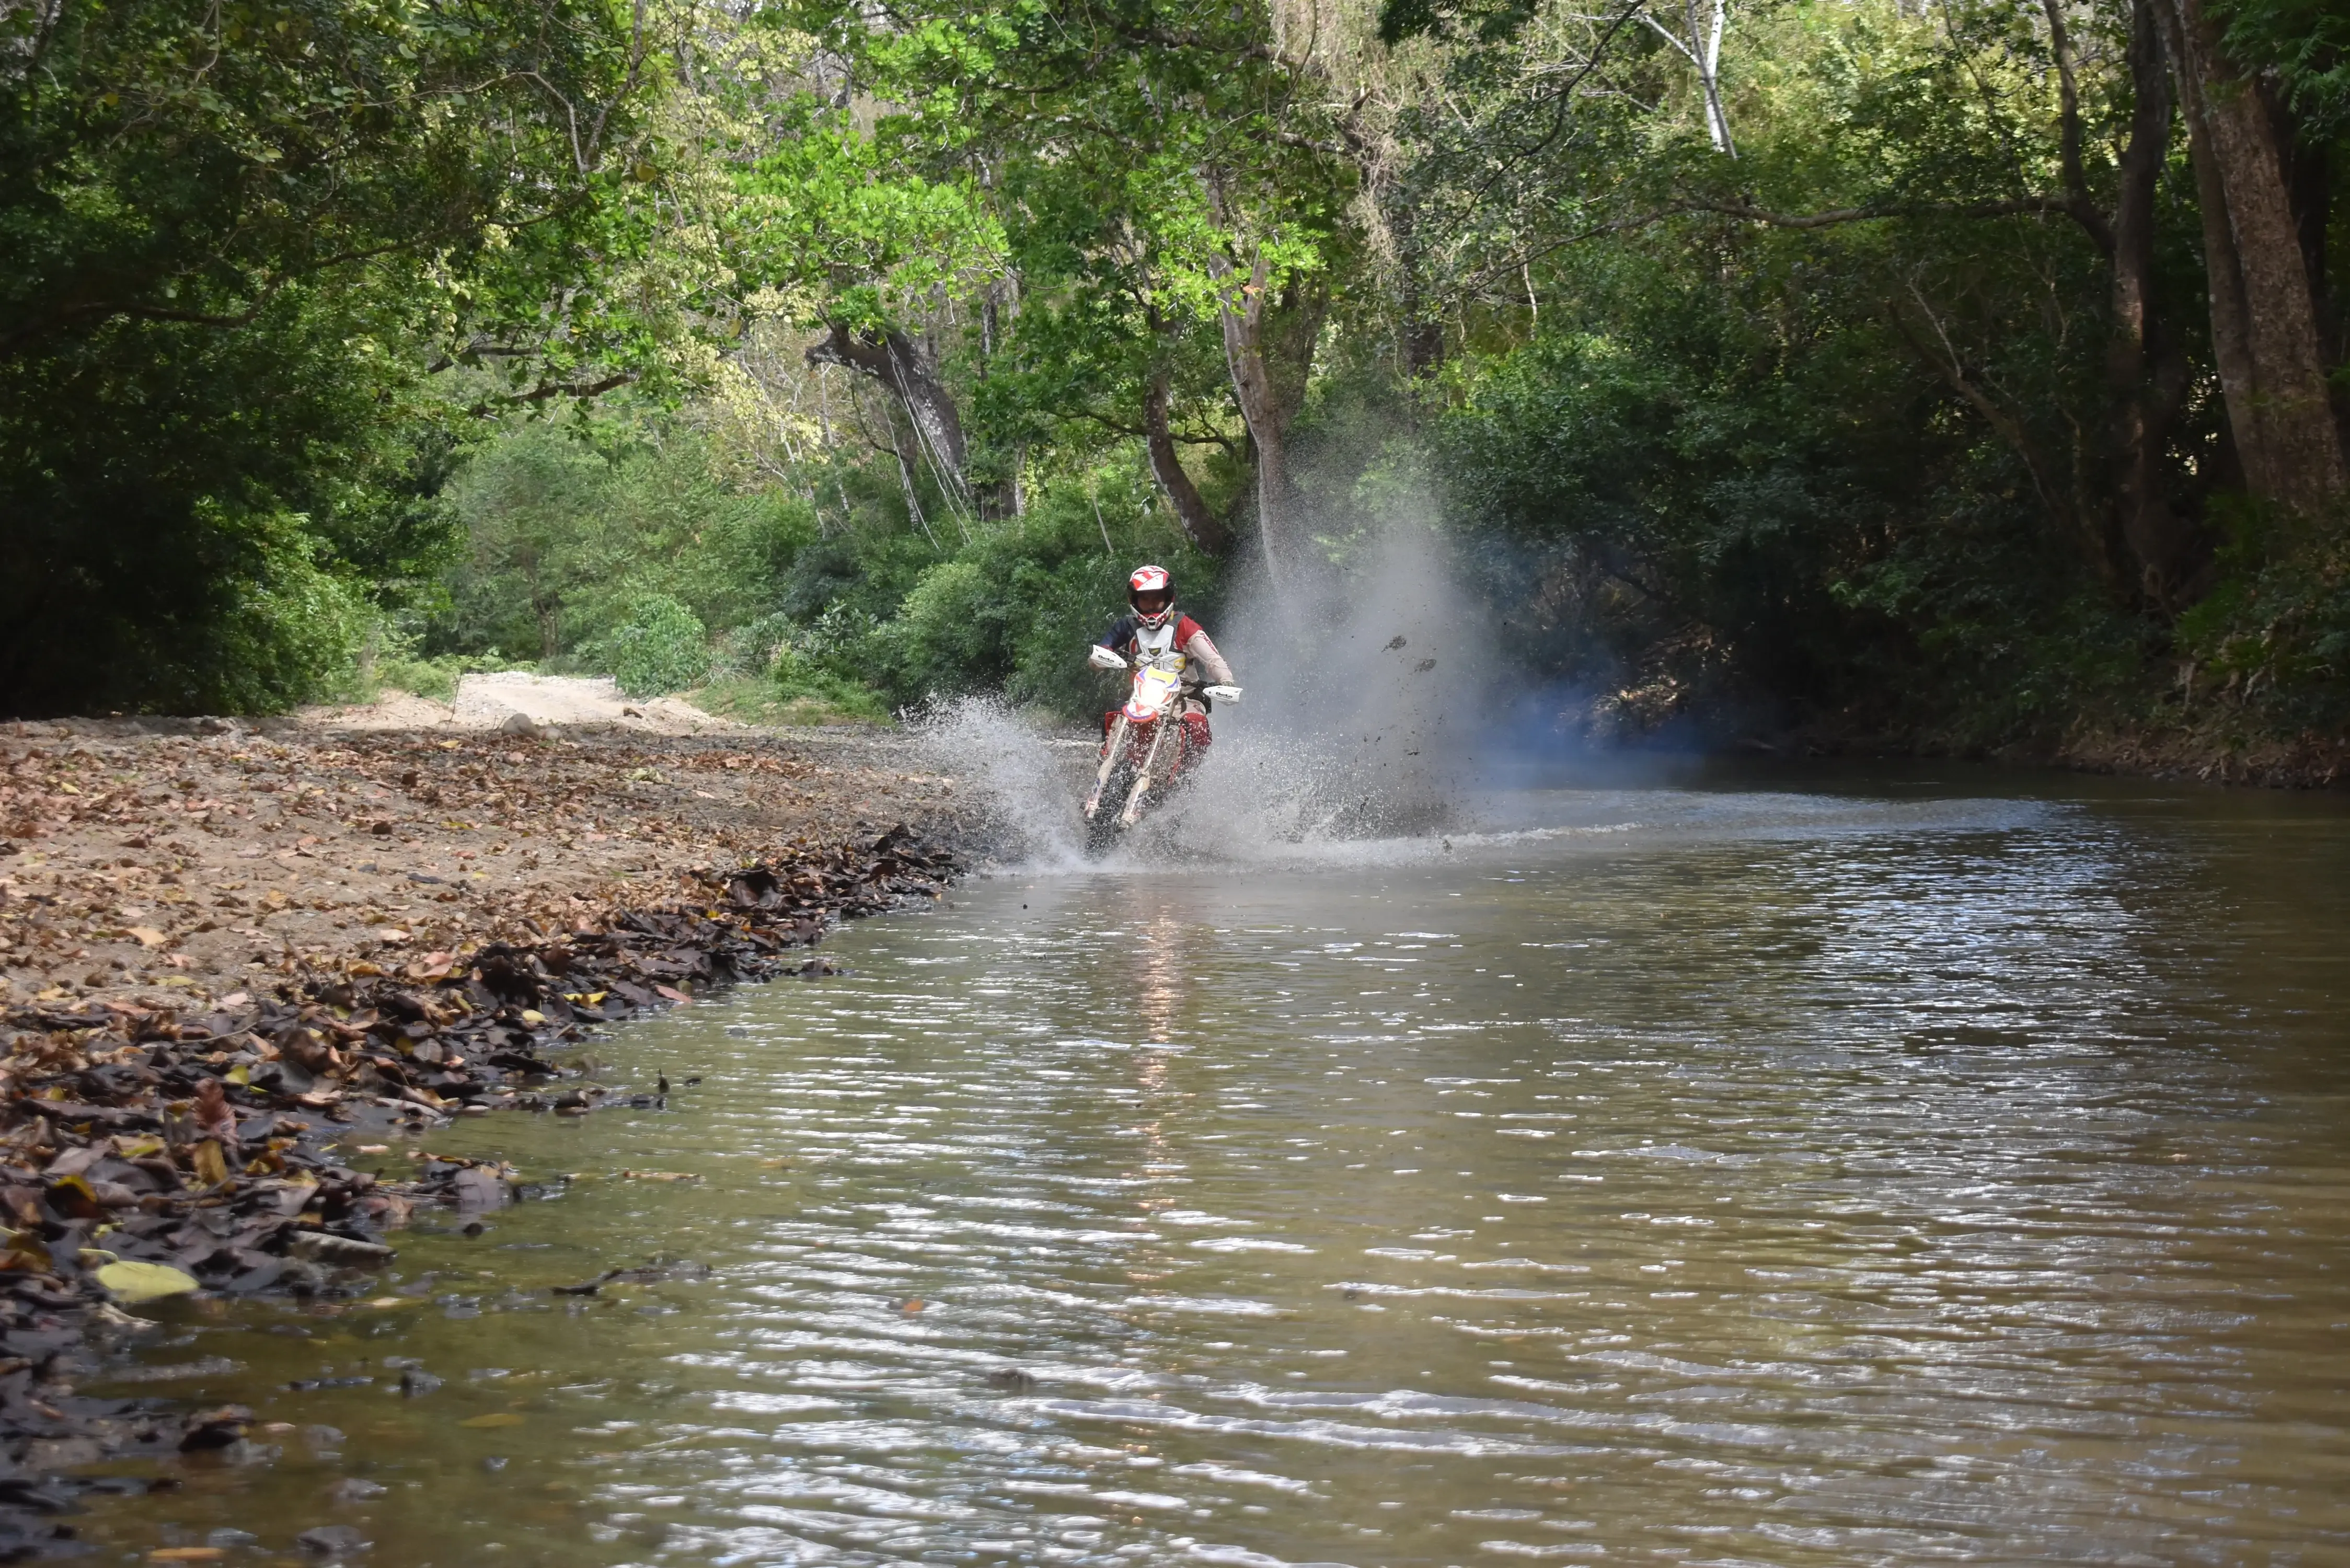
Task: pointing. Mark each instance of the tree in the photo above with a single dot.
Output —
(2267, 334)
(1152, 175)
(235, 235)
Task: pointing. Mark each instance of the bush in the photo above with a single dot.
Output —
(658, 647)
(1014, 609)
(434, 678)
(569, 527)
(2273, 635)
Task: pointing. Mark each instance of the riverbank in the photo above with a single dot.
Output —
(236, 956)
(2214, 753)
(2214, 744)
(2211, 756)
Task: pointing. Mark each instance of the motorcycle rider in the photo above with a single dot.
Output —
(1151, 626)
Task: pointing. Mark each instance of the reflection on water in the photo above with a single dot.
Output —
(1853, 1176)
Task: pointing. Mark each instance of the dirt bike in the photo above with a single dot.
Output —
(1147, 748)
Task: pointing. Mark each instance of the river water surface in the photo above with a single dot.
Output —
(1865, 1171)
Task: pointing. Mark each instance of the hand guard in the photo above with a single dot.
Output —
(1103, 659)
(1221, 693)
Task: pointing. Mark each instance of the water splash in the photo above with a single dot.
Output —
(1365, 699)
(1030, 780)
(1359, 729)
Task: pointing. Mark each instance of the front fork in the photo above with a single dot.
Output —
(1165, 726)
(1109, 761)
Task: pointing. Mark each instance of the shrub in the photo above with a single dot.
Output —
(658, 647)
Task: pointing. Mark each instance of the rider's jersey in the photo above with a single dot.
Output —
(1128, 637)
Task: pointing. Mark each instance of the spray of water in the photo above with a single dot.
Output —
(1029, 781)
(1365, 698)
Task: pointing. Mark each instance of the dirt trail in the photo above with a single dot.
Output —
(175, 863)
(517, 702)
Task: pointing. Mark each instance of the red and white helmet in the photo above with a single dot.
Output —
(1154, 582)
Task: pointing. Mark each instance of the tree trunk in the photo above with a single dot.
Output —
(1705, 50)
(2145, 370)
(1269, 350)
(1421, 336)
(2309, 178)
(1000, 497)
(1204, 527)
(905, 368)
(2265, 328)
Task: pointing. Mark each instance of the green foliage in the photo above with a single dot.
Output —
(827, 208)
(234, 233)
(791, 697)
(1826, 430)
(569, 528)
(185, 161)
(616, 553)
(434, 677)
(2306, 45)
(192, 519)
(656, 646)
(1134, 169)
(2275, 636)
(1013, 609)
(1748, 462)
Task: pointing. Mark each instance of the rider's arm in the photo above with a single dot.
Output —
(1202, 652)
(1120, 633)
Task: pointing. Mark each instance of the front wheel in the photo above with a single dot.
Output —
(1102, 828)
(1101, 832)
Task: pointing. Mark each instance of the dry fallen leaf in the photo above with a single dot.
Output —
(132, 1281)
(212, 1165)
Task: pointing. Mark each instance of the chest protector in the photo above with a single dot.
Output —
(1150, 641)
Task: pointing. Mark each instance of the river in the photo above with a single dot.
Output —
(1852, 1167)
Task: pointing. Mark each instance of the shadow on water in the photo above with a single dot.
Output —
(1856, 1165)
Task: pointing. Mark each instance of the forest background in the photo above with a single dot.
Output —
(1947, 374)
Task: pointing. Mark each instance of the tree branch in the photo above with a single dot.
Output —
(1117, 426)
(2008, 207)
(546, 389)
(2082, 206)
(1952, 370)
(2004, 207)
(101, 309)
